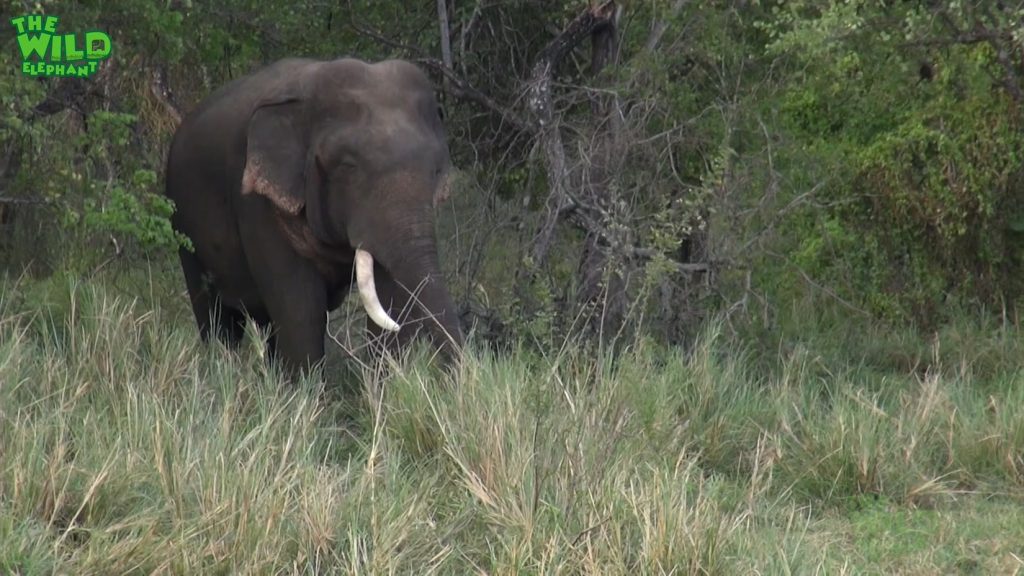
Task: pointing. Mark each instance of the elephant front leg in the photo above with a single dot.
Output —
(294, 295)
(300, 315)
(296, 302)
(212, 317)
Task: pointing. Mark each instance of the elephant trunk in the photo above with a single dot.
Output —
(414, 267)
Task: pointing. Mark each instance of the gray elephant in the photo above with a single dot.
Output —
(290, 179)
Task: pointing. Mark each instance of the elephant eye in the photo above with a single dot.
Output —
(440, 112)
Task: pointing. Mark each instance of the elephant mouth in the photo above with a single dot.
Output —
(368, 292)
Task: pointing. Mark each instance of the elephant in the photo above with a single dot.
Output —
(294, 179)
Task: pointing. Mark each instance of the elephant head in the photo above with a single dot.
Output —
(353, 156)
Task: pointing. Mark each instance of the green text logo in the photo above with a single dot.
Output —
(46, 53)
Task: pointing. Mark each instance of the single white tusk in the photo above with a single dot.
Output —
(368, 292)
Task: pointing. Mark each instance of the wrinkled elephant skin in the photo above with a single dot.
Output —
(297, 180)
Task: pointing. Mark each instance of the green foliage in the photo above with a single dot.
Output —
(101, 189)
(536, 311)
(129, 203)
(926, 164)
(136, 213)
(94, 174)
(843, 157)
(866, 151)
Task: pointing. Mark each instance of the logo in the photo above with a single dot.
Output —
(44, 52)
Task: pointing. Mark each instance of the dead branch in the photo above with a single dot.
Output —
(814, 284)
(452, 83)
(460, 88)
(659, 28)
(28, 201)
(541, 106)
(158, 87)
(446, 41)
(1002, 43)
(467, 29)
(366, 31)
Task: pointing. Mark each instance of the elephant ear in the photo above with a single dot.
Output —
(276, 155)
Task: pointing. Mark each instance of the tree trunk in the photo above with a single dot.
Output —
(604, 271)
(446, 42)
(542, 105)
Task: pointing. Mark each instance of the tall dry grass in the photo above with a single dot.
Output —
(127, 447)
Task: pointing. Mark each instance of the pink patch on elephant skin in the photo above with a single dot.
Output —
(253, 180)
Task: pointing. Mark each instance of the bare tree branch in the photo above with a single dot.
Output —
(446, 42)
(662, 25)
(452, 83)
(467, 29)
(366, 31)
(1001, 42)
(541, 106)
(461, 88)
(28, 201)
(158, 87)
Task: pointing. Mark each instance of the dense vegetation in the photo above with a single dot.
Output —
(743, 279)
(693, 158)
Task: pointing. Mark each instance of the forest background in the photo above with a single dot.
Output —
(770, 253)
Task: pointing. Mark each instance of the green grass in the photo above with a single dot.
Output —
(126, 446)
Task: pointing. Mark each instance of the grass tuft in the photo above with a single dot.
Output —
(126, 446)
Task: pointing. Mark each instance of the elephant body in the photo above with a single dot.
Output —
(286, 178)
